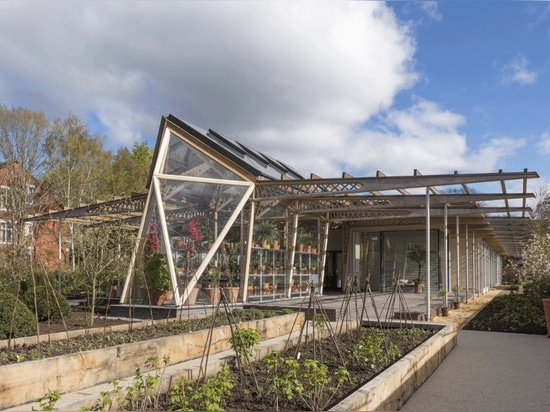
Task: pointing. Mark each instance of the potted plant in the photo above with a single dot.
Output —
(456, 303)
(418, 255)
(444, 309)
(265, 232)
(231, 269)
(211, 288)
(157, 278)
(303, 238)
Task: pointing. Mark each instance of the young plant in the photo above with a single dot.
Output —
(48, 401)
(143, 394)
(455, 290)
(284, 370)
(208, 395)
(318, 391)
(244, 342)
(443, 293)
(374, 349)
(309, 379)
(145, 391)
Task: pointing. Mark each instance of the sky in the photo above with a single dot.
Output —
(325, 86)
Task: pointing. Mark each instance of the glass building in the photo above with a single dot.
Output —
(222, 214)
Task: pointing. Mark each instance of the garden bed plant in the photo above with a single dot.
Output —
(511, 313)
(26, 352)
(312, 375)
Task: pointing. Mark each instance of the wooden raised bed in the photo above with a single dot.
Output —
(24, 382)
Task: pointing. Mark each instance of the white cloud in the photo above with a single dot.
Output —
(297, 80)
(432, 9)
(490, 153)
(544, 143)
(241, 68)
(517, 71)
(424, 137)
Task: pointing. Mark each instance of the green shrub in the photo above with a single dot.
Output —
(47, 308)
(23, 324)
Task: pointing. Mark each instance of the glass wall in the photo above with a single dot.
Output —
(193, 202)
(380, 257)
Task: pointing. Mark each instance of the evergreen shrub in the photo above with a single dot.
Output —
(47, 308)
(24, 323)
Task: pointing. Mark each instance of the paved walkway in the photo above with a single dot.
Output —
(488, 371)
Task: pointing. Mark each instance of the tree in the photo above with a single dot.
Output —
(130, 170)
(102, 256)
(541, 211)
(533, 266)
(79, 163)
(23, 143)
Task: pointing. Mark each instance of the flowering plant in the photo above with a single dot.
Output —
(535, 265)
(152, 244)
(195, 235)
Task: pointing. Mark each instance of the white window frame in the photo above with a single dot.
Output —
(29, 196)
(5, 195)
(6, 233)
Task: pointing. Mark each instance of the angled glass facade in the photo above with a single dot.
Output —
(192, 203)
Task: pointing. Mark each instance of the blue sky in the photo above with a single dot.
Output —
(327, 86)
(488, 61)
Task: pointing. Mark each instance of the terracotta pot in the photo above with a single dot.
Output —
(444, 311)
(418, 288)
(231, 293)
(169, 296)
(456, 304)
(546, 305)
(192, 298)
(155, 297)
(213, 295)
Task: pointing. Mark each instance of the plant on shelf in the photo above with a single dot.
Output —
(265, 233)
(254, 264)
(456, 302)
(303, 238)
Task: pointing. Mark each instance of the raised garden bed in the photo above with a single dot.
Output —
(25, 382)
(397, 383)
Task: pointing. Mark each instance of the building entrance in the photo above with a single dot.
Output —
(333, 272)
